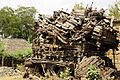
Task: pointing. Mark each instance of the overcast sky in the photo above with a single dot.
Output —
(48, 6)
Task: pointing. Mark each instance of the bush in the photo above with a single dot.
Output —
(1, 48)
(65, 74)
(20, 54)
(93, 73)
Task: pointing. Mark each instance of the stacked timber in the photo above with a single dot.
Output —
(64, 39)
(63, 30)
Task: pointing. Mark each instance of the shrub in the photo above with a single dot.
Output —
(93, 73)
(65, 74)
(20, 54)
(1, 48)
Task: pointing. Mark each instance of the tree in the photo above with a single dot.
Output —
(6, 20)
(17, 23)
(26, 15)
(115, 10)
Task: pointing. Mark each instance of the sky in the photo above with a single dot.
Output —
(48, 6)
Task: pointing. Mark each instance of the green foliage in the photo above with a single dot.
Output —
(1, 48)
(17, 54)
(47, 74)
(17, 23)
(26, 15)
(3, 53)
(115, 10)
(20, 67)
(66, 74)
(78, 6)
(93, 73)
(20, 54)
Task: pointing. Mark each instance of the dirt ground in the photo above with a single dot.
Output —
(12, 78)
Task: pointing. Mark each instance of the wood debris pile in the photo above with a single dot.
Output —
(64, 39)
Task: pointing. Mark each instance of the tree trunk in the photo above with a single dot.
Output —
(3, 60)
(12, 62)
